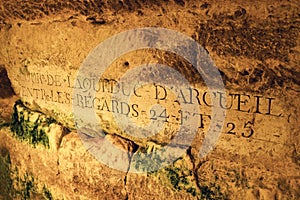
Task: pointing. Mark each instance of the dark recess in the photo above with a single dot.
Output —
(6, 90)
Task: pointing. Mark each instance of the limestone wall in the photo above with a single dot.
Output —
(254, 155)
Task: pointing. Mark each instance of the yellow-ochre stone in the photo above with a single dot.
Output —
(92, 134)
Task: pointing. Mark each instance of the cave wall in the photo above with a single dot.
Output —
(255, 46)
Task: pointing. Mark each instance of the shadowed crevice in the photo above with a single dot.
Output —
(6, 89)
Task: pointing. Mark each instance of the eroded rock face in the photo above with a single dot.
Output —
(256, 50)
(7, 97)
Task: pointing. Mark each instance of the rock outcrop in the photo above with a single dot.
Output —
(46, 153)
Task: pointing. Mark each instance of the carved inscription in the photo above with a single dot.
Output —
(57, 89)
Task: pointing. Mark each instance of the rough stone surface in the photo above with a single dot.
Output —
(254, 44)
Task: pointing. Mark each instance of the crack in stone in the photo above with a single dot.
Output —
(130, 155)
(65, 132)
(195, 167)
(125, 186)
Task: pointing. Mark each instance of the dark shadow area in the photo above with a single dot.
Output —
(6, 90)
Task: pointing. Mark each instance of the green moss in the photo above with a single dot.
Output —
(5, 179)
(192, 191)
(47, 194)
(178, 180)
(182, 179)
(30, 126)
(27, 186)
(147, 160)
(16, 186)
(211, 192)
